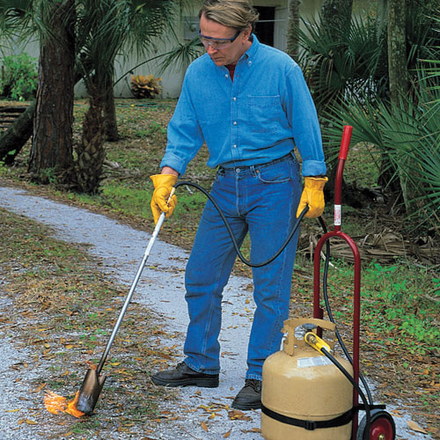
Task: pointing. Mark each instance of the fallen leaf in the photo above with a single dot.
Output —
(248, 431)
(39, 388)
(227, 434)
(204, 426)
(238, 415)
(415, 427)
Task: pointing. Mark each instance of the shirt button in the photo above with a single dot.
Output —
(235, 145)
(234, 98)
(235, 122)
(226, 76)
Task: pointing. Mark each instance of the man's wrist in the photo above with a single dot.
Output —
(169, 170)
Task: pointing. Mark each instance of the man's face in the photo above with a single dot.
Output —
(232, 53)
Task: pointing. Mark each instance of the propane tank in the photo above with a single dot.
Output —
(303, 390)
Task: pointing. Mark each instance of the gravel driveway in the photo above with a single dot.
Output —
(161, 289)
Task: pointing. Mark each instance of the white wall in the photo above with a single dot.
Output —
(185, 29)
(172, 78)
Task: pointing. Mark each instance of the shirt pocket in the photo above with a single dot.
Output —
(264, 112)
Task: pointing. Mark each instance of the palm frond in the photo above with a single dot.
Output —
(408, 134)
(182, 55)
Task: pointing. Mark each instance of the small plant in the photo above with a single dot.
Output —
(145, 86)
(19, 77)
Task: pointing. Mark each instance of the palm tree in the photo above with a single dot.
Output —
(336, 67)
(408, 134)
(352, 71)
(336, 15)
(51, 155)
(292, 28)
(51, 152)
(103, 29)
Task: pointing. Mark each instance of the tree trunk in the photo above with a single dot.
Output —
(51, 154)
(13, 140)
(397, 56)
(16, 136)
(336, 14)
(398, 72)
(110, 124)
(381, 17)
(292, 28)
(91, 152)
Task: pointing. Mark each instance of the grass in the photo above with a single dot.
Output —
(400, 301)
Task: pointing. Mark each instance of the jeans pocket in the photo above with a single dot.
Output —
(281, 173)
(219, 173)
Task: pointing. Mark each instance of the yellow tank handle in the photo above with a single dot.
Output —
(316, 342)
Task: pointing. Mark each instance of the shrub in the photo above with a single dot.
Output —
(145, 86)
(19, 77)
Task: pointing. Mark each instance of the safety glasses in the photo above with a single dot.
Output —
(217, 43)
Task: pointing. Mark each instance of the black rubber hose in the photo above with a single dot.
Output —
(353, 382)
(234, 241)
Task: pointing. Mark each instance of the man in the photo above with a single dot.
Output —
(250, 104)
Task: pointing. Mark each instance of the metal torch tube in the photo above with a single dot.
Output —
(132, 289)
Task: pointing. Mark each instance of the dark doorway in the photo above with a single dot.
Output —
(265, 26)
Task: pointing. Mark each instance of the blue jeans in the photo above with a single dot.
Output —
(261, 200)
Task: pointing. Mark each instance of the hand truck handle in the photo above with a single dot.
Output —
(345, 142)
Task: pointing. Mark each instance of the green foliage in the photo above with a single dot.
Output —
(348, 76)
(342, 65)
(395, 304)
(19, 77)
(353, 61)
(409, 136)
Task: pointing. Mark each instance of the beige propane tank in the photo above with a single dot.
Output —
(301, 384)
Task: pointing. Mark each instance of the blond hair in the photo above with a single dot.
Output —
(236, 14)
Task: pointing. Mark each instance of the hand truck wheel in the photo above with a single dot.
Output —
(382, 427)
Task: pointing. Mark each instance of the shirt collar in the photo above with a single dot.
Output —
(250, 54)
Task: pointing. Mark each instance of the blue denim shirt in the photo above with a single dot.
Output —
(258, 117)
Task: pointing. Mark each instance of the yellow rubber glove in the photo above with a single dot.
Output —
(313, 196)
(163, 184)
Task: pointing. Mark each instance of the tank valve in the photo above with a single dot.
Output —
(316, 342)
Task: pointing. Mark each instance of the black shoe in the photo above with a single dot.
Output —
(183, 376)
(249, 397)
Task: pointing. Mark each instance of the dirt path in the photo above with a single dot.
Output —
(198, 414)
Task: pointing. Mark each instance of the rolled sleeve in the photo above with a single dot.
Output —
(305, 124)
(313, 168)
